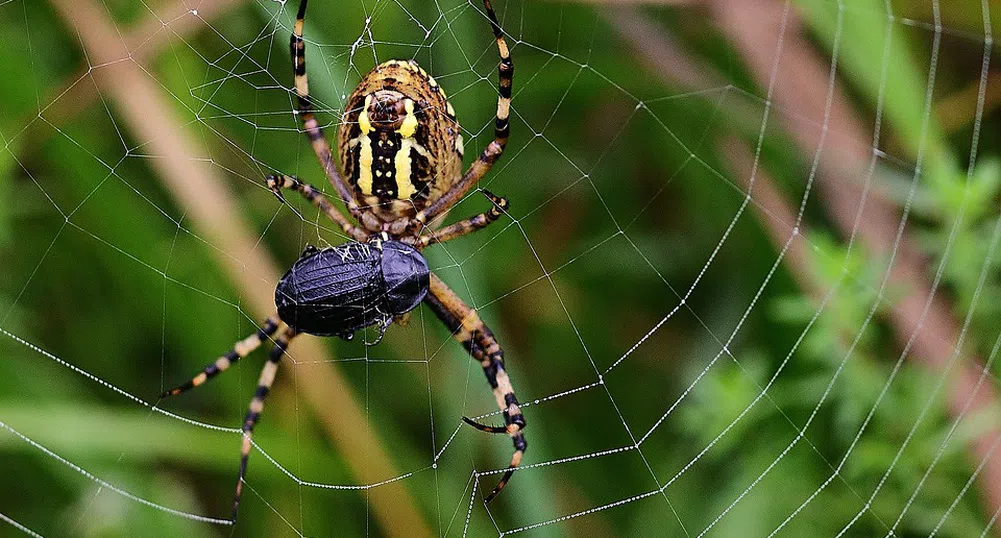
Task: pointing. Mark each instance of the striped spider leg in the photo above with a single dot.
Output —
(502, 129)
(470, 331)
(243, 348)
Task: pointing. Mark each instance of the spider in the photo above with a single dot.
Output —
(401, 153)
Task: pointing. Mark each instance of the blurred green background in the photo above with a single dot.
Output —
(688, 293)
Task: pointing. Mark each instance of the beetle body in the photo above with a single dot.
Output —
(336, 291)
(399, 142)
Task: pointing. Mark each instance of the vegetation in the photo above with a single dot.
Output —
(646, 288)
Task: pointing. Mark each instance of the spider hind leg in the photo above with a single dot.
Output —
(240, 350)
(480, 343)
(257, 406)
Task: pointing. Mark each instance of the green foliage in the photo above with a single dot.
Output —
(620, 199)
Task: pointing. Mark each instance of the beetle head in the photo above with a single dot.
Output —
(406, 275)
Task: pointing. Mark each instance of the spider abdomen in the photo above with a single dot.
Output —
(399, 142)
(336, 291)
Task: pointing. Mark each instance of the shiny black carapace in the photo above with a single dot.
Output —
(338, 290)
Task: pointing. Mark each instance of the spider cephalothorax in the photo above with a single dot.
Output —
(401, 167)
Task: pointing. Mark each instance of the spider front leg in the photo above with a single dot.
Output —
(257, 406)
(321, 147)
(463, 227)
(479, 341)
(240, 350)
(502, 128)
(278, 182)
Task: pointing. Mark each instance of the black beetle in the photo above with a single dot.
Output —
(338, 290)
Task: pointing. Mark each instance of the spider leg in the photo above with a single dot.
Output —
(257, 405)
(469, 225)
(321, 147)
(484, 427)
(493, 151)
(278, 182)
(479, 341)
(240, 350)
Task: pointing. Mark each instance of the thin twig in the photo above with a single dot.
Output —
(146, 40)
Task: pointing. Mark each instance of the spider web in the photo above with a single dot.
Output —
(747, 286)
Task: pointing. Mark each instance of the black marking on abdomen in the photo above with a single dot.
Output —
(351, 164)
(385, 144)
(420, 172)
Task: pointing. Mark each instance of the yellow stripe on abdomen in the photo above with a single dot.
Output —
(404, 187)
(365, 164)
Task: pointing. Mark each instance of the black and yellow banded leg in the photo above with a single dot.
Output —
(257, 406)
(240, 350)
(479, 341)
(278, 182)
(321, 147)
(502, 128)
(463, 227)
